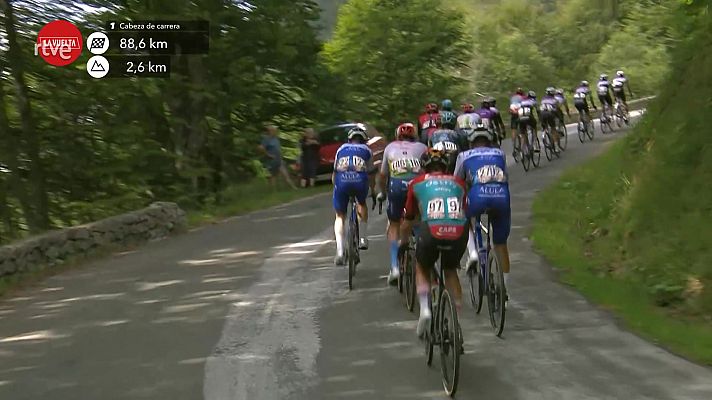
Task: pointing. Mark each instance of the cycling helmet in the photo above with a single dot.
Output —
(358, 131)
(584, 83)
(431, 107)
(560, 91)
(405, 131)
(486, 103)
(448, 119)
(520, 91)
(433, 157)
(531, 94)
(468, 108)
(492, 101)
(447, 105)
(604, 77)
(620, 74)
(479, 132)
(550, 91)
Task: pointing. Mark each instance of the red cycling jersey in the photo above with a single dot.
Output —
(428, 121)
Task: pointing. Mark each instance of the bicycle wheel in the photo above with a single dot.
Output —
(450, 343)
(474, 276)
(590, 130)
(523, 154)
(430, 334)
(581, 131)
(401, 277)
(409, 273)
(548, 145)
(497, 295)
(536, 149)
(517, 149)
(353, 246)
(563, 137)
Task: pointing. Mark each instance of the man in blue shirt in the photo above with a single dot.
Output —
(484, 170)
(271, 148)
(352, 165)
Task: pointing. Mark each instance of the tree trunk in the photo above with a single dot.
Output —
(37, 176)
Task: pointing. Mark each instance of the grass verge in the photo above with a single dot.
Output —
(569, 229)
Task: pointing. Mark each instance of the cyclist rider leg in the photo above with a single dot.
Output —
(604, 95)
(438, 198)
(620, 82)
(514, 105)
(401, 163)
(352, 165)
(581, 96)
(484, 170)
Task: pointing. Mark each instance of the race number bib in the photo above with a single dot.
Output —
(580, 96)
(405, 165)
(490, 173)
(445, 146)
(358, 163)
(439, 208)
(547, 107)
(525, 112)
(436, 209)
(429, 124)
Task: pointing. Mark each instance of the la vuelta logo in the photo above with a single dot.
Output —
(59, 43)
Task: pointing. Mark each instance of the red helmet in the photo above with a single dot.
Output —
(468, 108)
(431, 107)
(405, 131)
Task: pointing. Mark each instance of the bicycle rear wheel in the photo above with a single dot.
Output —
(497, 295)
(409, 284)
(564, 137)
(590, 129)
(474, 276)
(523, 154)
(353, 245)
(536, 149)
(548, 146)
(430, 334)
(582, 131)
(450, 343)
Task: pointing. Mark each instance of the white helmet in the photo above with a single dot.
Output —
(472, 136)
(620, 74)
(358, 131)
(604, 77)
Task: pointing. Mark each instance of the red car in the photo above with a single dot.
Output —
(333, 137)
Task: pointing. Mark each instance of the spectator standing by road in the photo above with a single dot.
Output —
(310, 157)
(273, 162)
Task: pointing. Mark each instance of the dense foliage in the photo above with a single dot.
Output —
(74, 149)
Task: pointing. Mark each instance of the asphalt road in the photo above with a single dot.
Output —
(252, 308)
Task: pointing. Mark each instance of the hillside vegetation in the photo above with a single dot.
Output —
(634, 227)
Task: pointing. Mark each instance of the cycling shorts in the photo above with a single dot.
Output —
(344, 190)
(524, 122)
(493, 198)
(581, 106)
(549, 118)
(397, 194)
(605, 99)
(429, 249)
(620, 94)
(514, 121)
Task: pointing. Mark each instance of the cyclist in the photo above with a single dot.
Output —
(527, 109)
(446, 105)
(550, 110)
(604, 94)
(619, 84)
(446, 139)
(581, 96)
(563, 105)
(487, 115)
(498, 122)
(514, 104)
(401, 163)
(439, 200)
(428, 121)
(484, 169)
(352, 165)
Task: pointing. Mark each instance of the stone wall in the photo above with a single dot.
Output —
(53, 248)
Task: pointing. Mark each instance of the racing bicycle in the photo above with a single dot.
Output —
(352, 249)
